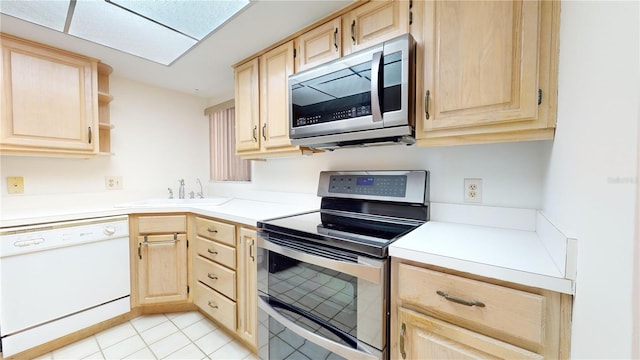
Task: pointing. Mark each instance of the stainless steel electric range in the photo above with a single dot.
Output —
(323, 276)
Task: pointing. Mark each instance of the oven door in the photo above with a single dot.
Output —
(319, 302)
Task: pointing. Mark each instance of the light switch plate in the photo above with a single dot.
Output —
(15, 185)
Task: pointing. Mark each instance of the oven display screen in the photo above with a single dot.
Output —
(365, 181)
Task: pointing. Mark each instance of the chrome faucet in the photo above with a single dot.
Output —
(200, 194)
(170, 193)
(181, 190)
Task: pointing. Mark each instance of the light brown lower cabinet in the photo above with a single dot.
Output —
(224, 275)
(247, 287)
(442, 314)
(187, 261)
(425, 337)
(160, 258)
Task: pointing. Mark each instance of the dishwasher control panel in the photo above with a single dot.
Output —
(25, 239)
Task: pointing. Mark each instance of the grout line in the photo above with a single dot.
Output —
(141, 338)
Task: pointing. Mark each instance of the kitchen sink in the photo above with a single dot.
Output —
(212, 201)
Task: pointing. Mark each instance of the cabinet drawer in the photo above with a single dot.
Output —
(217, 252)
(509, 312)
(214, 230)
(162, 224)
(216, 276)
(216, 305)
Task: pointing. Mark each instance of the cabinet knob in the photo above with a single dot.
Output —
(212, 276)
(212, 305)
(212, 252)
(211, 230)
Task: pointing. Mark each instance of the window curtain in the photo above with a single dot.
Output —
(225, 165)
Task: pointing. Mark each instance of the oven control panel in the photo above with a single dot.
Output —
(401, 186)
(376, 185)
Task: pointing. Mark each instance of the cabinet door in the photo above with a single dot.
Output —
(320, 45)
(275, 68)
(423, 337)
(49, 99)
(162, 268)
(246, 110)
(248, 288)
(374, 22)
(480, 65)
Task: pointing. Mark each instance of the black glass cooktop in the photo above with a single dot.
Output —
(356, 232)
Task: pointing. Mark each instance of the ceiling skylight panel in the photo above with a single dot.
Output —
(196, 18)
(111, 26)
(52, 14)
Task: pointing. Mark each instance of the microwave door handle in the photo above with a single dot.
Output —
(330, 345)
(377, 80)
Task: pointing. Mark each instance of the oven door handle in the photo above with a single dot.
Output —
(370, 273)
(334, 347)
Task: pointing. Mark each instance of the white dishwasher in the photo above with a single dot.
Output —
(61, 277)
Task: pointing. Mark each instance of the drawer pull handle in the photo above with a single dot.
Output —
(212, 276)
(460, 301)
(212, 252)
(212, 230)
(212, 305)
(403, 330)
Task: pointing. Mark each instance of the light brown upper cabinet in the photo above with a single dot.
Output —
(49, 100)
(364, 26)
(373, 23)
(275, 68)
(262, 104)
(104, 113)
(489, 71)
(319, 45)
(247, 106)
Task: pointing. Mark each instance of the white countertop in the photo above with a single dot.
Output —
(242, 211)
(522, 256)
(515, 245)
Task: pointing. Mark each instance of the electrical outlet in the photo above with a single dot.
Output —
(15, 185)
(113, 182)
(473, 190)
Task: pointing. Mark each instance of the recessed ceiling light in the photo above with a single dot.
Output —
(160, 31)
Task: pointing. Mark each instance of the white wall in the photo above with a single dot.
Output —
(512, 173)
(591, 181)
(160, 136)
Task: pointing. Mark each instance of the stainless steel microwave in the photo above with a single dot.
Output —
(365, 98)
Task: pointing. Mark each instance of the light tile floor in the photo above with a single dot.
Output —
(184, 336)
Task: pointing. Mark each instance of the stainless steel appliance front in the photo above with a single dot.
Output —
(363, 97)
(319, 304)
(323, 275)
